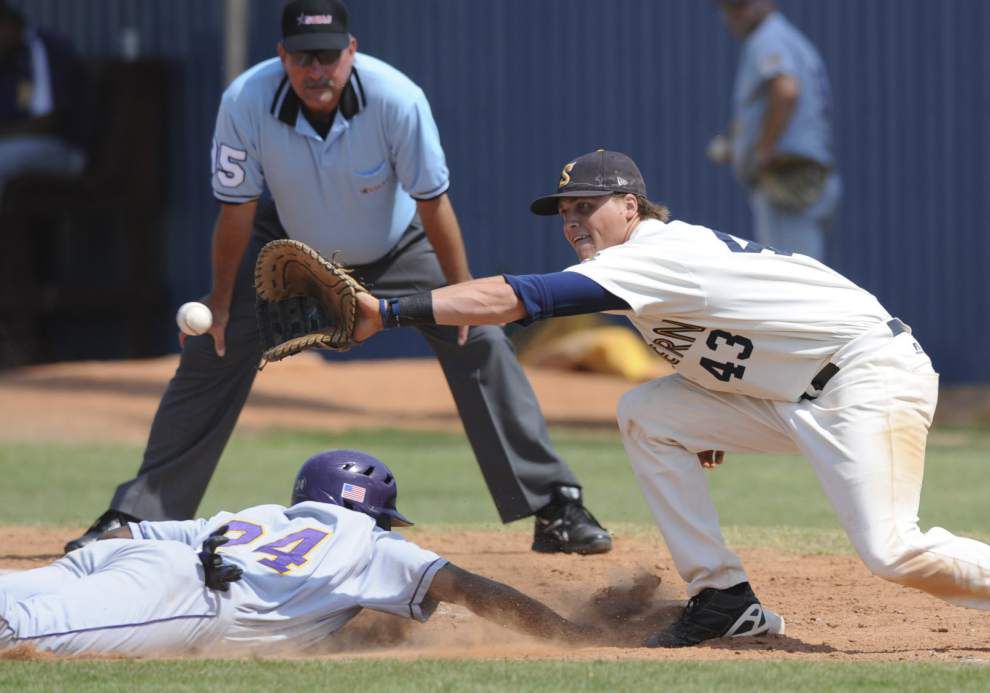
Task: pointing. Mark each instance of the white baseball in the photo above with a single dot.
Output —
(194, 318)
(720, 149)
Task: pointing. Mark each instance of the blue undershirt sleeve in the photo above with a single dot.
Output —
(561, 293)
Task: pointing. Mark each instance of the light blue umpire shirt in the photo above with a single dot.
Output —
(777, 47)
(352, 193)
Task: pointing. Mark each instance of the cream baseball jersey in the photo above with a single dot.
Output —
(308, 569)
(730, 314)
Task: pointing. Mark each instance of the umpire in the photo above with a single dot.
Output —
(348, 148)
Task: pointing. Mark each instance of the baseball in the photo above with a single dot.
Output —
(720, 150)
(194, 318)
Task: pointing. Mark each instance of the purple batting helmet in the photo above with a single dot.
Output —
(351, 479)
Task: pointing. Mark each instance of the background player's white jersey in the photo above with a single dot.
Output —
(308, 569)
(729, 314)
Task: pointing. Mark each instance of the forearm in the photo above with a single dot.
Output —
(783, 95)
(508, 607)
(230, 239)
(503, 605)
(492, 300)
(488, 301)
(444, 233)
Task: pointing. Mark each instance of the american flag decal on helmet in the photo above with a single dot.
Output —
(353, 493)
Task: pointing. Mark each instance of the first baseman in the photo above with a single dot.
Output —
(773, 352)
(300, 573)
(348, 148)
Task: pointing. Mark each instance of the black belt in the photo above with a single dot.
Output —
(829, 370)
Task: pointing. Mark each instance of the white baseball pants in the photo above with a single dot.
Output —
(118, 596)
(865, 438)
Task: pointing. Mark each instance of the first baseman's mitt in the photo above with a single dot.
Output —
(793, 183)
(304, 300)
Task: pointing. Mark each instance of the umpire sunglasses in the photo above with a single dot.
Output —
(306, 58)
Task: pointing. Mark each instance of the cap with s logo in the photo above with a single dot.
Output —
(315, 25)
(599, 173)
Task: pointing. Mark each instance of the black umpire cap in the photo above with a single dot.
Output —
(315, 25)
(599, 173)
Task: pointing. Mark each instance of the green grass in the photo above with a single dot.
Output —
(760, 498)
(431, 675)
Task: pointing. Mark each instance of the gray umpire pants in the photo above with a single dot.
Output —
(197, 414)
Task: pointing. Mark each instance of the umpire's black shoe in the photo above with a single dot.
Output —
(713, 613)
(111, 519)
(566, 526)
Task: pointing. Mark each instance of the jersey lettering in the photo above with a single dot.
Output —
(230, 174)
(248, 532)
(291, 551)
(730, 340)
(287, 552)
(736, 245)
(673, 339)
(725, 371)
(676, 330)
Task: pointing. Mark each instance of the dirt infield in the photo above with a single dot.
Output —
(117, 400)
(834, 609)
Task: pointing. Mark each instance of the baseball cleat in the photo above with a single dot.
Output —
(110, 520)
(566, 526)
(712, 613)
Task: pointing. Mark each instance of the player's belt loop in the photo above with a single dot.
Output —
(829, 370)
(820, 380)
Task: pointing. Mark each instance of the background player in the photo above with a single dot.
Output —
(773, 352)
(781, 134)
(348, 148)
(44, 127)
(306, 571)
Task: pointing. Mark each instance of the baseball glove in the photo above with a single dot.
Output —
(793, 183)
(304, 300)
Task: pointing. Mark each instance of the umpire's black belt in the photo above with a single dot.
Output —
(829, 370)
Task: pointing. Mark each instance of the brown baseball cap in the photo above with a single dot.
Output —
(591, 175)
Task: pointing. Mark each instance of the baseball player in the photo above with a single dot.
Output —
(291, 577)
(781, 135)
(348, 148)
(773, 352)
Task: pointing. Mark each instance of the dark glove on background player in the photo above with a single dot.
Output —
(216, 574)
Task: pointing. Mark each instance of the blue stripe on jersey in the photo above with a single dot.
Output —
(561, 293)
(236, 199)
(419, 594)
(120, 625)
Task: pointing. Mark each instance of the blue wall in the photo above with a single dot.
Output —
(519, 87)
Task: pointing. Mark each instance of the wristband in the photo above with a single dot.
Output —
(389, 312)
(416, 309)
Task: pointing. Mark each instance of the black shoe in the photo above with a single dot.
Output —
(713, 613)
(566, 526)
(111, 519)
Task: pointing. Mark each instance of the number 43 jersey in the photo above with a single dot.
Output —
(730, 314)
(308, 569)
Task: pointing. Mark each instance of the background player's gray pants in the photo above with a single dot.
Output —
(804, 232)
(203, 400)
